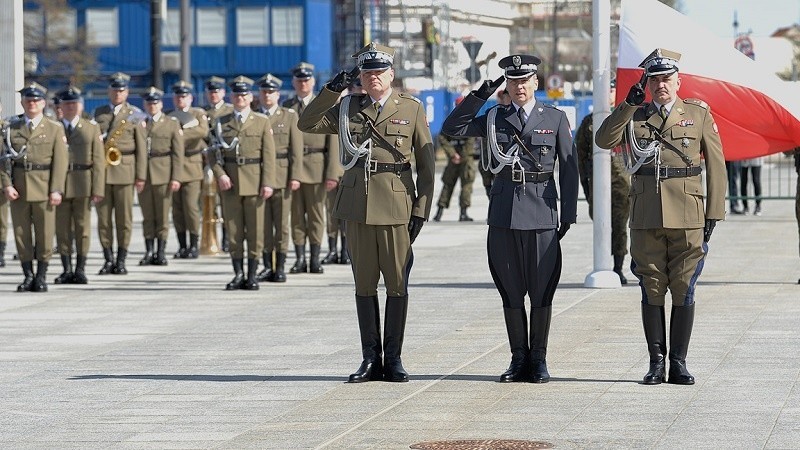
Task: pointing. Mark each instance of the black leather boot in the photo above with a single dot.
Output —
(344, 256)
(108, 265)
(680, 330)
(314, 266)
(40, 281)
(300, 265)
(517, 328)
(193, 252)
(181, 253)
(2, 254)
(119, 266)
(160, 258)
(369, 327)
(147, 259)
(393, 330)
(79, 276)
(267, 273)
(618, 261)
(225, 246)
(332, 257)
(655, 334)
(463, 217)
(67, 275)
(27, 270)
(251, 283)
(438, 216)
(540, 330)
(238, 275)
(279, 275)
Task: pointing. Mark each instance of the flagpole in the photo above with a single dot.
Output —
(603, 276)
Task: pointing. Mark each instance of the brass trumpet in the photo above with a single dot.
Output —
(113, 156)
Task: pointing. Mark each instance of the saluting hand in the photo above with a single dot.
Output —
(343, 80)
(636, 94)
(488, 88)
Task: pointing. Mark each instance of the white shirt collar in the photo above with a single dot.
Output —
(220, 104)
(157, 117)
(271, 111)
(307, 99)
(668, 105)
(116, 109)
(383, 100)
(74, 122)
(244, 114)
(36, 120)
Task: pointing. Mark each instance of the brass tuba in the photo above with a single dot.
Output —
(113, 156)
(208, 236)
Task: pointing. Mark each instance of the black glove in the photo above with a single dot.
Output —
(708, 229)
(343, 80)
(636, 94)
(488, 88)
(562, 230)
(414, 227)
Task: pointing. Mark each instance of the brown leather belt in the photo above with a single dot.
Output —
(670, 172)
(282, 156)
(127, 152)
(193, 152)
(76, 166)
(517, 176)
(381, 167)
(242, 161)
(159, 155)
(31, 166)
(309, 150)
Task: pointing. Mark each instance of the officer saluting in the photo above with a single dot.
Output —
(35, 185)
(525, 140)
(384, 210)
(670, 226)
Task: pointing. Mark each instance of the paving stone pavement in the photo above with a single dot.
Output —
(165, 358)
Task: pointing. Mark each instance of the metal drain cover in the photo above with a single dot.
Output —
(481, 444)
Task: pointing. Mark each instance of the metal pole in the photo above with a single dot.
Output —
(554, 58)
(186, 68)
(602, 276)
(155, 43)
(12, 73)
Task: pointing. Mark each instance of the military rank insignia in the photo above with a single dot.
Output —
(544, 131)
(399, 121)
(398, 142)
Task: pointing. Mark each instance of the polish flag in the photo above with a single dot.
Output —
(757, 113)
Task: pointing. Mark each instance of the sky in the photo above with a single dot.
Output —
(763, 17)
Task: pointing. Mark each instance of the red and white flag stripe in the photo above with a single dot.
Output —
(757, 113)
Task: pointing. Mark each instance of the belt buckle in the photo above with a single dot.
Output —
(517, 176)
(240, 160)
(663, 173)
(28, 166)
(70, 167)
(372, 165)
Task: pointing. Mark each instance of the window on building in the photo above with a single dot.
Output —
(171, 31)
(252, 26)
(33, 26)
(210, 24)
(102, 27)
(62, 28)
(287, 26)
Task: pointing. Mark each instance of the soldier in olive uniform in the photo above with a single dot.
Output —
(288, 162)
(620, 187)
(382, 206)
(3, 198)
(318, 175)
(123, 132)
(245, 174)
(186, 201)
(165, 155)
(35, 185)
(460, 154)
(670, 225)
(86, 182)
(525, 226)
(216, 108)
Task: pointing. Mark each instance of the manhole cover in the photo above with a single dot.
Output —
(481, 444)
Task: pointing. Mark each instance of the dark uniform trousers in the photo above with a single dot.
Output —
(386, 245)
(186, 207)
(115, 212)
(308, 213)
(244, 218)
(3, 219)
(73, 219)
(333, 225)
(42, 217)
(276, 221)
(155, 201)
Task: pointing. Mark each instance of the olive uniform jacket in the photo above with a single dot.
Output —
(288, 146)
(124, 131)
(195, 133)
(213, 114)
(547, 139)
(256, 150)
(165, 150)
(46, 149)
(87, 164)
(386, 198)
(672, 202)
(318, 166)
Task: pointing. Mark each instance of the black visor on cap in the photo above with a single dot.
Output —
(661, 69)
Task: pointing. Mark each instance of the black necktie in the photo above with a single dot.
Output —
(30, 125)
(663, 112)
(69, 129)
(521, 115)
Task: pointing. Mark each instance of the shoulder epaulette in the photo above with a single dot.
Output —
(92, 121)
(173, 118)
(696, 101)
(289, 110)
(548, 106)
(405, 95)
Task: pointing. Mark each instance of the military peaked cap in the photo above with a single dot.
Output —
(270, 82)
(660, 62)
(33, 90)
(519, 66)
(182, 88)
(69, 94)
(374, 57)
(119, 80)
(215, 83)
(153, 94)
(241, 84)
(303, 71)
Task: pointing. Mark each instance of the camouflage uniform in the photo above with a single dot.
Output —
(464, 171)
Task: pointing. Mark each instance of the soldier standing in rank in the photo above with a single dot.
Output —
(524, 231)
(460, 154)
(216, 108)
(186, 201)
(288, 162)
(382, 207)
(670, 225)
(35, 184)
(3, 198)
(245, 174)
(165, 155)
(318, 175)
(126, 167)
(86, 182)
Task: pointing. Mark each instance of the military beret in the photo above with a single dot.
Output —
(215, 83)
(153, 94)
(519, 66)
(270, 82)
(374, 57)
(119, 80)
(182, 87)
(303, 71)
(69, 94)
(660, 62)
(33, 90)
(241, 84)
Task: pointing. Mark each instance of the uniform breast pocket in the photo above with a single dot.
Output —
(399, 135)
(160, 143)
(281, 137)
(687, 136)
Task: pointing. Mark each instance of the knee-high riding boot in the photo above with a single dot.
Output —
(393, 332)
(680, 331)
(369, 326)
(517, 328)
(656, 336)
(540, 330)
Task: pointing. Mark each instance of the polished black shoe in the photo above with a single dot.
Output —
(539, 373)
(67, 275)
(368, 371)
(279, 275)
(79, 276)
(160, 257)
(678, 373)
(518, 370)
(463, 217)
(119, 267)
(27, 282)
(300, 265)
(147, 259)
(238, 277)
(314, 265)
(108, 265)
(181, 253)
(656, 374)
(193, 252)
(394, 372)
(332, 257)
(251, 283)
(40, 280)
